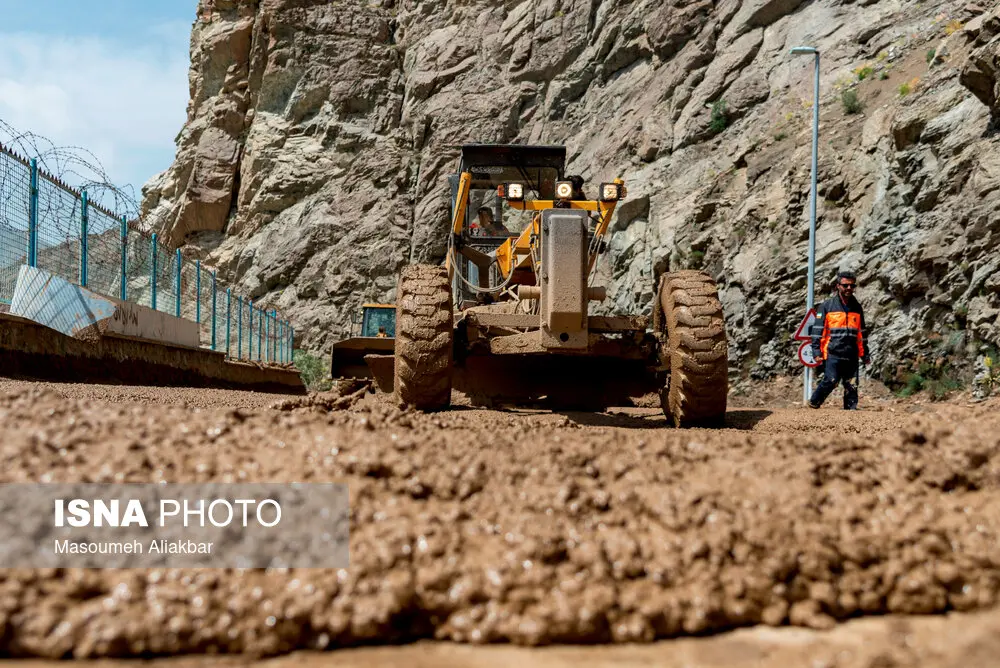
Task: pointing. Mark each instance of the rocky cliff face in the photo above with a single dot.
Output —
(320, 133)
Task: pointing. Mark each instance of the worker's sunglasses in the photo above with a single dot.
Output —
(847, 286)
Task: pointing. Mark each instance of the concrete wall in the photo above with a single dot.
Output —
(74, 311)
(30, 349)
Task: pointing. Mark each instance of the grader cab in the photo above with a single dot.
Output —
(506, 317)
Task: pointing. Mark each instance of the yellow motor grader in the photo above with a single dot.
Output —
(506, 317)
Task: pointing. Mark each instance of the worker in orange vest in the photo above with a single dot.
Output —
(840, 339)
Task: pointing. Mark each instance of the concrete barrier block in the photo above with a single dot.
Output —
(74, 311)
(30, 349)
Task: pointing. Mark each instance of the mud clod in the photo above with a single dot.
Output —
(524, 527)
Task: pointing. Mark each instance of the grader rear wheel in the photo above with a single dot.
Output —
(696, 352)
(424, 350)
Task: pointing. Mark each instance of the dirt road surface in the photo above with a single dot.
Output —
(534, 528)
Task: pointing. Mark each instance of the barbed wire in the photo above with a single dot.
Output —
(63, 171)
(74, 168)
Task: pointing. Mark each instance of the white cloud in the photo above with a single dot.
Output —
(123, 104)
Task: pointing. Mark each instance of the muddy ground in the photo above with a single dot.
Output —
(532, 528)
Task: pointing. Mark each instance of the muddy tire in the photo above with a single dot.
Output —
(695, 351)
(424, 350)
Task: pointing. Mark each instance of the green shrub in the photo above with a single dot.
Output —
(720, 116)
(912, 384)
(865, 72)
(313, 370)
(940, 389)
(781, 135)
(931, 54)
(852, 105)
(937, 379)
(697, 259)
(883, 75)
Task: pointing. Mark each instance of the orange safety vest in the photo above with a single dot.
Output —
(844, 333)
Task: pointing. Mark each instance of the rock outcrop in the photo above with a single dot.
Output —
(320, 135)
(981, 74)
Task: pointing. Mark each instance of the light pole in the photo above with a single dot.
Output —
(811, 280)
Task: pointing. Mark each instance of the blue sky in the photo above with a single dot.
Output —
(107, 75)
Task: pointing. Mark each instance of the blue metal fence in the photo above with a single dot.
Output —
(47, 224)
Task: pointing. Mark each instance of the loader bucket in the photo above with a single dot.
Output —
(348, 357)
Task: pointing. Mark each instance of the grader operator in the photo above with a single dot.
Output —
(507, 318)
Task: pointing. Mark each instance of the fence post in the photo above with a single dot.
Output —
(274, 334)
(229, 318)
(179, 263)
(250, 331)
(33, 216)
(152, 250)
(291, 342)
(239, 327)
(280, 343)
(260, 334)
(267, 336)
(213, 309)
(197, 292)
(124, 234)
(84, 223)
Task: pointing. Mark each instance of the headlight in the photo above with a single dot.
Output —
(515, 191)
(612, 192)
(564, 189)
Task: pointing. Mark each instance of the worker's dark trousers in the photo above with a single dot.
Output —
(838, 370)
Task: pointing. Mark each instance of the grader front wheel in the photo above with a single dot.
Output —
(696, 350)
(424, 349)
